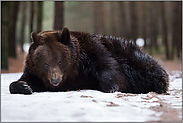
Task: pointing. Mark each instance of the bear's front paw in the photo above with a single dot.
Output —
(20, 87)
(111, 89)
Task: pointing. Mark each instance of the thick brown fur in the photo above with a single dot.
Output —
(70, 60)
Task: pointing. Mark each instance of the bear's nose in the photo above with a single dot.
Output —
(55, 82)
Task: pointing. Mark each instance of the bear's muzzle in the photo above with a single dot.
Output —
(55, 82)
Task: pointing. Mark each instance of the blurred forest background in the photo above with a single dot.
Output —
(159, 24)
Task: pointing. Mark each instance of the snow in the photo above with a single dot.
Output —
(140, 42)
(86, 105)
(26, 47)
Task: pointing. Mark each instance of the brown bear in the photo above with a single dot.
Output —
(70, 60)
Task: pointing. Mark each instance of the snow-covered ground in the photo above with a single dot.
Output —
(90, 105)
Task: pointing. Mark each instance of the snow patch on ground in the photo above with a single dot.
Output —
(86, 105)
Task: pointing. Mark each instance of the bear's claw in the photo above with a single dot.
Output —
(112, 89)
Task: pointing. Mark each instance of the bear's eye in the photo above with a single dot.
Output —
(59, 63)
(46, 65)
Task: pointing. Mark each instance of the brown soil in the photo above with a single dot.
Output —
(169, 114)
(172, 65)
(15, 65)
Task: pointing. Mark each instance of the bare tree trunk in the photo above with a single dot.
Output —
(39, 16)
(177, 28)
(31, 17)
(143, 6)
(99, 17)
(59, 18)
(12, 25)
(134, 20)
(164, 30)
(112, 18)
(154, 24)
(96, 17)
(24, 5)
(4, 34)
(148, 26)
(123, 23)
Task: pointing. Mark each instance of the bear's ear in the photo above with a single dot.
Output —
(34, 37)
(64, 36)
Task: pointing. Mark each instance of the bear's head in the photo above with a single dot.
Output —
(52, 56)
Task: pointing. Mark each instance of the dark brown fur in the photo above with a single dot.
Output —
(69, 60)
